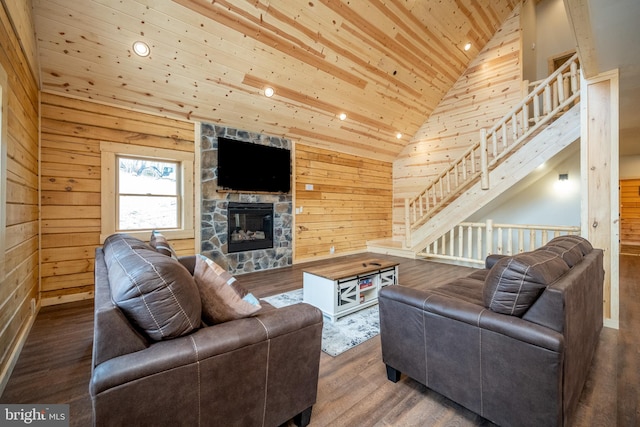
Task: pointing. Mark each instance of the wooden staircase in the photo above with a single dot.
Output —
(546, 121)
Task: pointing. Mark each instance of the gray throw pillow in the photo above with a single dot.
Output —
(515, 283)
(568, 249)
(155, 292)
(161, 244)
(581, 243)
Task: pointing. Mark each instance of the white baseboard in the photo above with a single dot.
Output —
(611, 323)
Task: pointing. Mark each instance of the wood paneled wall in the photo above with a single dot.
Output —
(19, 242)
(630, 211)
(486, 91)
(345, 201)
(71, 134)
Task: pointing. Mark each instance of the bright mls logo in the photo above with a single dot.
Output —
(34, 415)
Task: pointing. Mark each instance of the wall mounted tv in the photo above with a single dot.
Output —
(244, 166)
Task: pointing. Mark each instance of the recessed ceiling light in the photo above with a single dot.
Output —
(398, 135)
(343, 116)
(141, 48)
(268, 92)
(467, 46)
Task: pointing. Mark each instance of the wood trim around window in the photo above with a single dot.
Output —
(109, 151)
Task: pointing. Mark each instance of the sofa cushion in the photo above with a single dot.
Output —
(514, 283)
(160, 243)
(223, 299)
(479, 274)
(466, 289)
(155, 292)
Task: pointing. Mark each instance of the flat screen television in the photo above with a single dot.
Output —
(244, 166)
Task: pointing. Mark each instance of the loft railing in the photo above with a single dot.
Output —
(472, 242)
(547, 101)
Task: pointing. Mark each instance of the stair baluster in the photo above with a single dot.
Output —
(556, 96)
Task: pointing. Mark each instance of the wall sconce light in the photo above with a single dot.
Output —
(268, 92)
(141, 48)
(563, 187)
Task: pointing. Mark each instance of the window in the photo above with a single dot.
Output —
(148, 194)
(146, 188)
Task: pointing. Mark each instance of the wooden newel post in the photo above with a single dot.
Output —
(489, 232)
(484, 162)
(407, 224)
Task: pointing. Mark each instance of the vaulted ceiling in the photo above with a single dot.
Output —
(607, 39)
(385, 64)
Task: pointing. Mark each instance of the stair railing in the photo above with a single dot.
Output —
(547, 101)
(472, 242)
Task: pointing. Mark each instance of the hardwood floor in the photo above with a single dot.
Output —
(628, 355)
(55, 364)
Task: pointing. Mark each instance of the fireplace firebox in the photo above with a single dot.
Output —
(250, 226)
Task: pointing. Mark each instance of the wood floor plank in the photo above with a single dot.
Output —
(628, 372)
(55, 364)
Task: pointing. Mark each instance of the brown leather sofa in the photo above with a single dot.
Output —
(260, 370)
(512, 342)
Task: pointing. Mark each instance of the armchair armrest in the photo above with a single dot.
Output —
(476, 315)
(208, 342)
(189, 262)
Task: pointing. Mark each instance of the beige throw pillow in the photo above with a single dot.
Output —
(222, 298)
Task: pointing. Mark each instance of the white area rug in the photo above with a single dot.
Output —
(347, 332)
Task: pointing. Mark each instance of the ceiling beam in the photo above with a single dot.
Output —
(580, 21)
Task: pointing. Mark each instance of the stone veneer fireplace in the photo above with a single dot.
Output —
(217, 239)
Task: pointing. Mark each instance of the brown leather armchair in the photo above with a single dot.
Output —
(502, 342)
(256, 371)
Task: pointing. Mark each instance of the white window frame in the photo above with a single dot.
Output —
(176, 192)
(109, 170)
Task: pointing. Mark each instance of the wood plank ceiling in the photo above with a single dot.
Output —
(385, 64)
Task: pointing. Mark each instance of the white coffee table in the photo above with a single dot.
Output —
(344, 287)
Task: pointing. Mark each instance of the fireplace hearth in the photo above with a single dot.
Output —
(250, 226)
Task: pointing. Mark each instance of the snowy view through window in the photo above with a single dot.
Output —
(147, 194)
